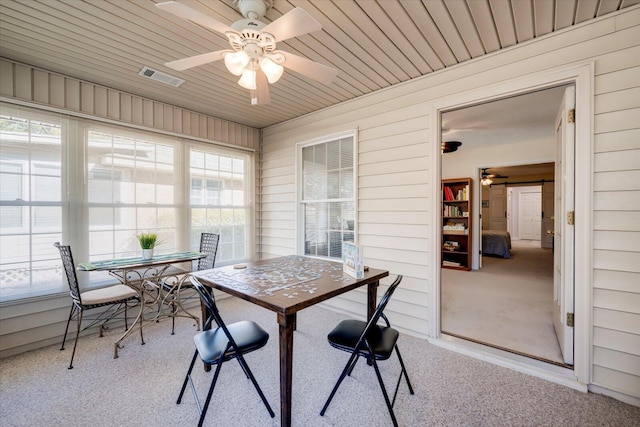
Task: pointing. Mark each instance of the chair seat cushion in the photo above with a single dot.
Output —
(107, 295)
(248, 335)
(345, 337)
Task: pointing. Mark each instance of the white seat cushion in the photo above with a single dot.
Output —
(108, 294)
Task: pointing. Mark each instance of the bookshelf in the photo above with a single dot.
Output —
(456, 223)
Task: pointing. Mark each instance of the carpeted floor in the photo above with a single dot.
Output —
(508, 303)
(140, 387)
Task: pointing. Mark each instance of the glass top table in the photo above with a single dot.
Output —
(139, 262)
(144, 276)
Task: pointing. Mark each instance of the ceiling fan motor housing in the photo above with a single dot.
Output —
(253, 9)
(250, 40)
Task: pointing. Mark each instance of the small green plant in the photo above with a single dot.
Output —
(148, 240)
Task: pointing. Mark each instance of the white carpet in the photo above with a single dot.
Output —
(141, 386)
(508, 303)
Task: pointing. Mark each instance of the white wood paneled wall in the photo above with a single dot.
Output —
(395, 189)
(39, 87)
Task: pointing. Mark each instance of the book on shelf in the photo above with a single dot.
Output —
(448, 193)
(463, 194)
(352, 260)
(448, 263)
(454, 211)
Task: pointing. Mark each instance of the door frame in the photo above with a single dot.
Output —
(582, 77)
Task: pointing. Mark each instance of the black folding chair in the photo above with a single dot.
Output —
(371, 341)
(114, 299)
(226, 342)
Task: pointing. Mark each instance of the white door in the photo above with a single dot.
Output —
(548, 201)
(529, 208)
(563, 238)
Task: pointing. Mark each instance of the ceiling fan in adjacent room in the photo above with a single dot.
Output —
(449, 146)
(487, 178)
(253, 55)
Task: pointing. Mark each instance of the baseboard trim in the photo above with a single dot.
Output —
(546, 371)
(622, 397)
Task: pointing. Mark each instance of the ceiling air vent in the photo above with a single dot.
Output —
(160, 77)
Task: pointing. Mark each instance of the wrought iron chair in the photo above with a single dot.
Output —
(176, 292)
(371, 341)
(114, 299)
(225, 342)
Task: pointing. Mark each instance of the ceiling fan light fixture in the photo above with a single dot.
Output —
(236, 62)
(248, 79)
(272, 70)
(486, 181)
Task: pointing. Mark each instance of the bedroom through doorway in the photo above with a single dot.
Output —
(506, 301)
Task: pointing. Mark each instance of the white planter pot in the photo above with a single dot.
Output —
(147, 254)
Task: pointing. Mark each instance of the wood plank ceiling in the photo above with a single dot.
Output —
(372, 43)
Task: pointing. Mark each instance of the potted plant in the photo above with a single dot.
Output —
(148, 241)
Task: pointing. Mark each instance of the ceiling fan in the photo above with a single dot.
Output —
(487, 177)
(253, 55)
(449, 146)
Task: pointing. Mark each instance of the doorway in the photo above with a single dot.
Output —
(524, 214)
(505, 302)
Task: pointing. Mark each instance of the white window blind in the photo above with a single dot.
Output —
(31, 214)
(220, 200)
(327, 203)
(132, 187)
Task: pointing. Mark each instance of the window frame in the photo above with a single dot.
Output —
(74, 222)
(248, 203)
(49, 255)
(300, 203)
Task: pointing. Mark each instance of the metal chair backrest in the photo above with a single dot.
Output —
(70, 270)
(380, 309)
(210, 304)
(209, 246)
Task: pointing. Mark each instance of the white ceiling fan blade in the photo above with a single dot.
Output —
(184, 11)
(260, 96)
(194, 61)
(292, 24)
(306, 67)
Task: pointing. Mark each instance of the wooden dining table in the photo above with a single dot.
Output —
(287, 285)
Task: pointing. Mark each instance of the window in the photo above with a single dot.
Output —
(220, 200)
(95, 186)
(132, 187)
(206, 191)
(31, 214)
(327, 195)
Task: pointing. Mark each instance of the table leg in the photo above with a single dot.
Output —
(287, 324)
(136, 324)
(372, 295)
